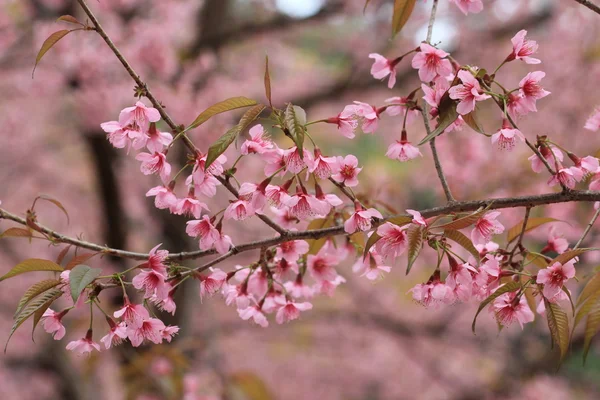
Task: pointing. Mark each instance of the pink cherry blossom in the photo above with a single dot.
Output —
(203, 229)
(299, 289)
(549, 153)
(275, 161)
(469, 92)
(369, 115)
(223, 243)
(293, 162)
(328, 287)
(85, 345)
(258, 143)
(139, 115)
(164, 197)
(157, 140)
(383, 67)
(150, 329)
(168, 333)
(432, 293)
(51, 322)
(290, 311)
(371, 266)
(431, 62)
(212, 283)
(485, 227)
(393, 240)
(556, 242)
(346, 121)
(583, 166)
(348, 170)
(156, 260)
(554, 277)
(399, 106)
(152, 282)
(566, 177)
(124, 136)
(417, 218)
(322, 167)
(321, 266)
(239, 210)
(255, 194)
(190, 206)
(303, 205)
(531, 90)
(256, 314)
(132, 314)
(593, 122)
(507, 137)
(292, 250)
(509, 308)
(361, 219)
(166, 303)
(523, 48)
(403, 151)
(433, 95)
(155, 164)
(116, 335)
(468, 6)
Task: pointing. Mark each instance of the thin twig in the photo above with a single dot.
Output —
(589, 5)
(520, 239)
(462, 206)
(587, 228)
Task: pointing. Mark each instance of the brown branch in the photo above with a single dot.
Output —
(589, 5)
(460, 206)
(520, 239)
(587, 228)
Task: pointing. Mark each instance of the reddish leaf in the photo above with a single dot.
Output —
(56, 203)
(17, 232)
(69, 18)
(79, 259)
(31, 265)
(47, 45)
(268, 81)
(402, 11)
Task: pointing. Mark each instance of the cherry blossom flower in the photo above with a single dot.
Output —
(164, 197)
(400, 106)
(212, 283)
(124, 136)
(139, 115)
(157, 139)
(156, 260)
(152, 282)
(256, 314)
(168, 333)
(583, 166)
(468, 93)
(321, 266)
(223, 243)
(277, 195)
(485, 227)
(487, 278)
(239, 210)
(302, 205)
(556, 242)
(255, 194)
(403, 151)
(292, 250)
(509, 308)
(322, 167)
(116, 335)
(523, 48)
(190, 206)
(237, 294)
(460, 279)
(348, 170)
(290, 311)
(328, 287)
(432, 293)
(132, 314)
(275, 161)
(258, 143)
(361, 219)
(531, 89)
(149, 329)
(393, 240)
(506, 138)
(51, 322)
(166, 303)
(554, 277)
(324, 202)
(85, 345)
(293, 162)
(155, 164)
(565, 177)
(371, 266)
(369, 115)
(593, 122)
(346, 121)
(417, 218)
(431, 62)
(298, 288)
(433, 95)
(468, 6)
(549, 153)
(203, 229)
(383, 67)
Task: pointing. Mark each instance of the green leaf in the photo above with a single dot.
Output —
(558, 324)
(36, 304)
(592, 326)
(79, 259)
(590, 289)
(402, 11)
(16, 232)
(222, 143)
(587, 306)
(532, 223)
(464, 241)
(80, 277)
(221, 107)
(56, 203)
(506, 288)
(447, 115)
(69, 18)
(47, 45)
(464, 222)
(415, 243)
(536, 259)
(570, 254)
(295, 119)
(35, 290)
(31, 265)
(473, 122)
(268, 81)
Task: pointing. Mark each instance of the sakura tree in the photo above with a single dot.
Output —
(307, 201)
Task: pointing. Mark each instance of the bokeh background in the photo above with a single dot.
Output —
(370, 341)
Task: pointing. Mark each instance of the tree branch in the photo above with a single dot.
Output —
(589, 5)
(587, 228)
